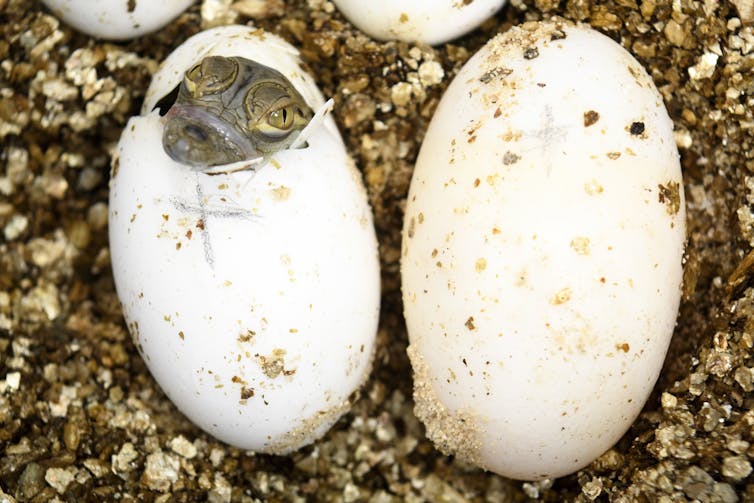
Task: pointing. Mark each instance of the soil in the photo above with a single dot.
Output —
(81, 419)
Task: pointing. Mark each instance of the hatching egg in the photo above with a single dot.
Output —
(429, 21)
(251, 292)
(117, 19)
(542, 252)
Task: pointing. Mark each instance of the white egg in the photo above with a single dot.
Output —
(252, 296)
(542, 252)
(117, 19)
(430, 21)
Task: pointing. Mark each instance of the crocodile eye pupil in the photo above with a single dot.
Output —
(281, 118)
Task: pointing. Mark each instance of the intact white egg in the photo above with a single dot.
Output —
(253, 296)
(430, 21)
(542, 253)
(117, 19)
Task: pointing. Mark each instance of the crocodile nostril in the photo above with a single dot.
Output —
(195, 132)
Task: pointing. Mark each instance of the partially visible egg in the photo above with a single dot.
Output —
(253, 296)
(430, 21)
(542, 252)
(117, 19)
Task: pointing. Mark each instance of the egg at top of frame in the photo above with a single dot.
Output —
(542, 252)
(430, 21)
(117, 19)
(253, 295)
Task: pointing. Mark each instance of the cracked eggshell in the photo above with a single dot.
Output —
(117, 19)
(430, 21)
(542, 252)
(253, 297)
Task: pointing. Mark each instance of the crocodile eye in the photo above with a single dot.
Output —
(212, 75)
(282, 118)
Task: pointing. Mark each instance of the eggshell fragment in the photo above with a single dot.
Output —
(252, 296)
(117, 19)
(430, 21)
(542, 252)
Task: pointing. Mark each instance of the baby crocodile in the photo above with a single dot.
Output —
(232, 109)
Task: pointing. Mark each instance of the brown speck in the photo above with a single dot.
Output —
(496, 231)
(623, 347)
(470, 323)
(494, 74)
(561, 297)
(591, 117)
(281, 193)
(181, 335)
(247, 336)
(580, 245)
(511, 135)
(637, 128)
(670, 196)
(510, 158)
(131, 5)
(476, 183)
(165, 217)
(188, 234)
(178, 245)
(115, 167)
(472, 139)
(246, 392)
(411, 227)
(200, 224)
(557, 35)
(421, 218)
(531, 53)
(403, 18)
(497, 113)
(593, 187)
(434, 253)
(613, 155)
(274, 364)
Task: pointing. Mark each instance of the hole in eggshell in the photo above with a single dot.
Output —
(166, 102)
